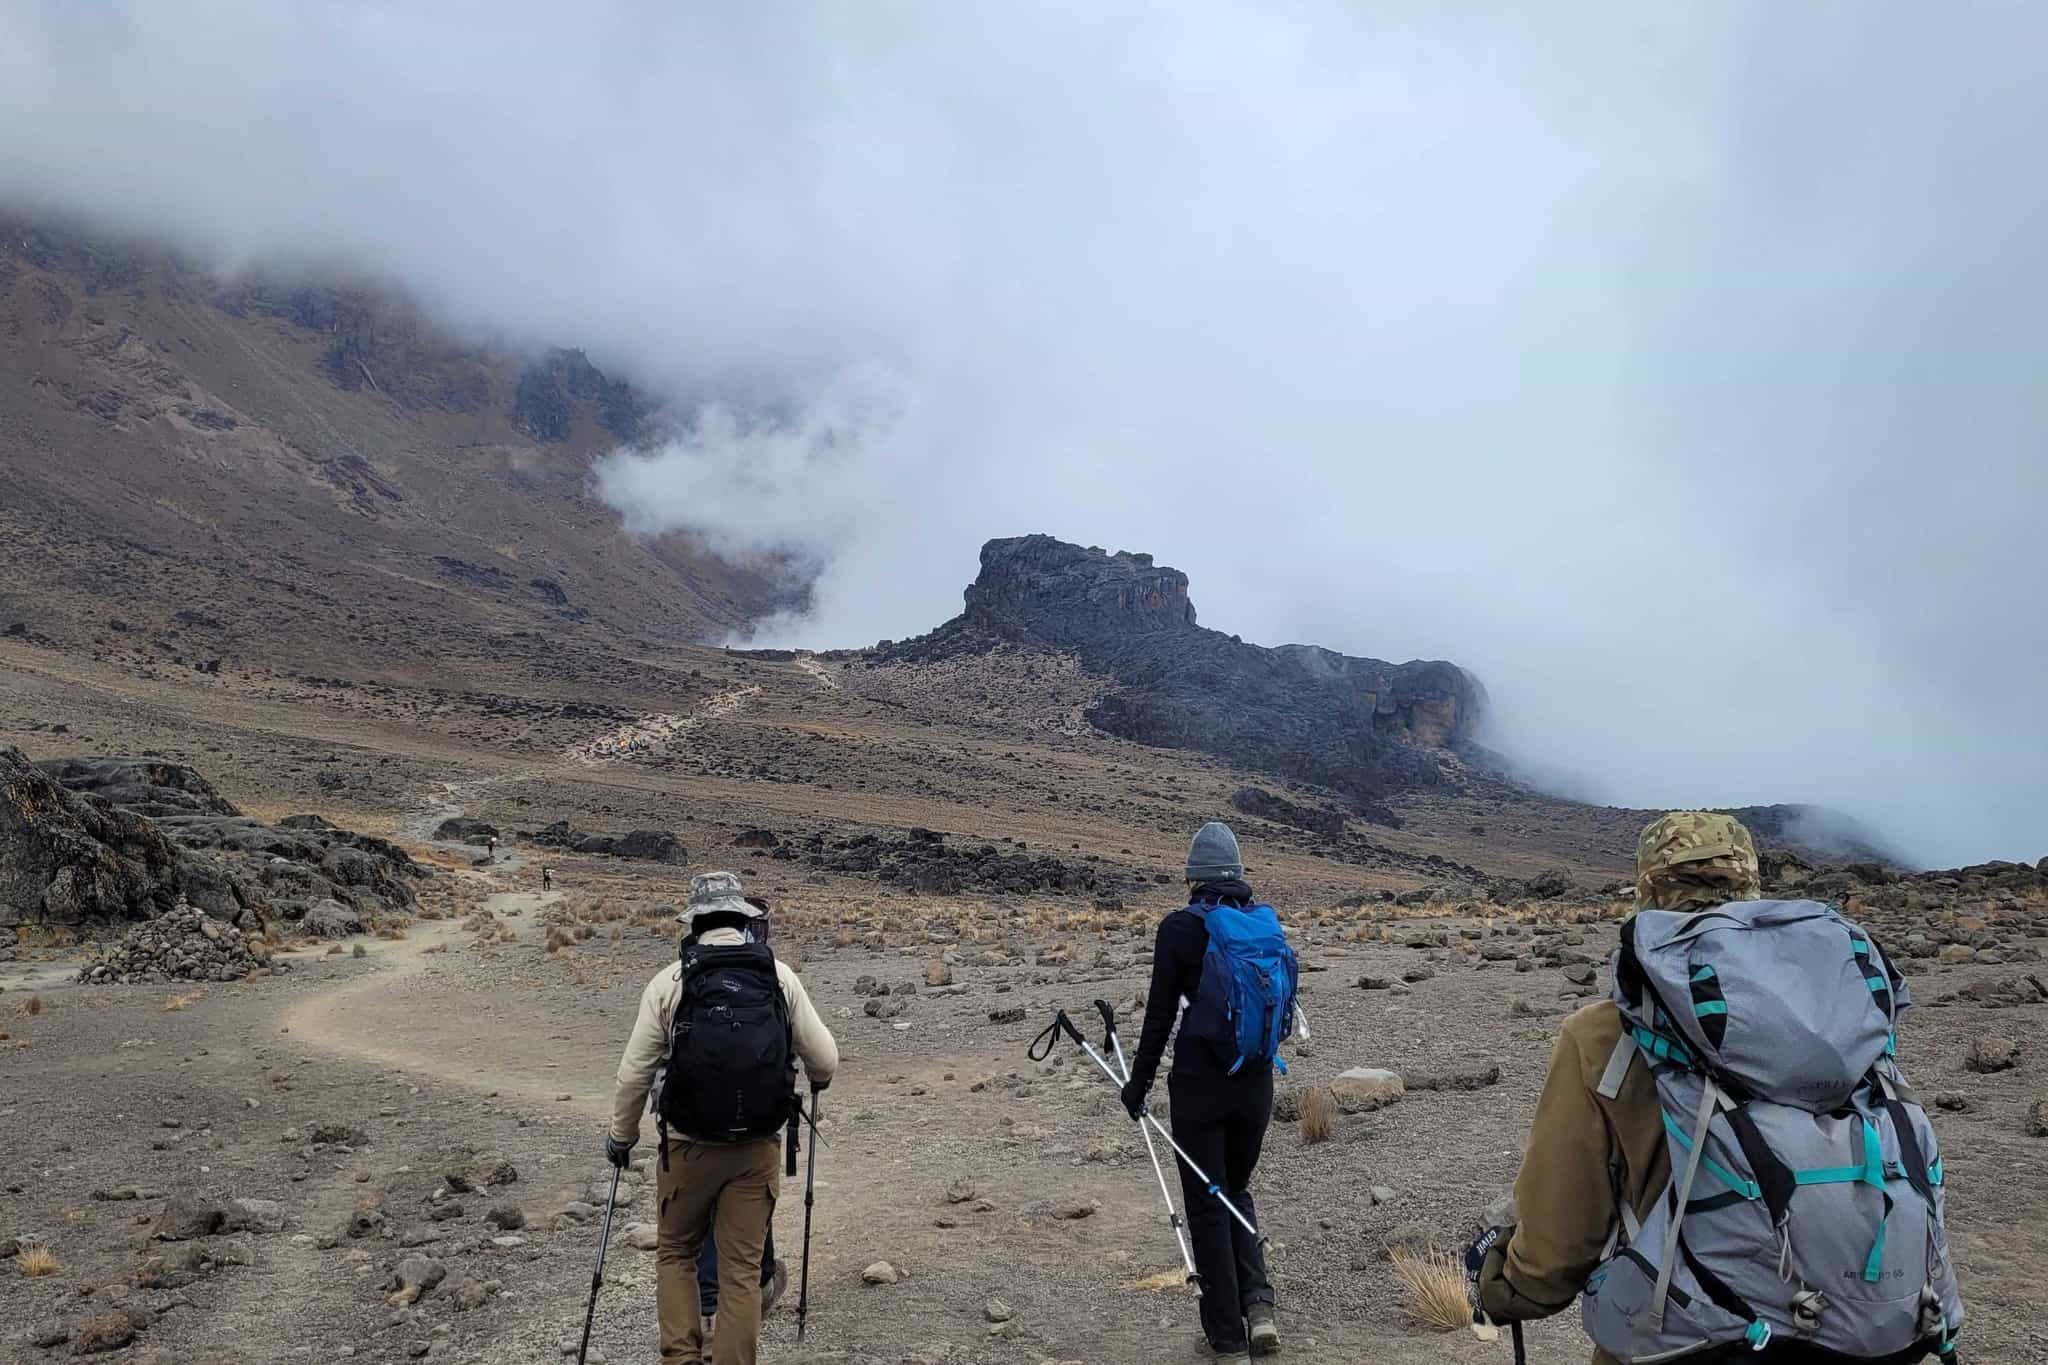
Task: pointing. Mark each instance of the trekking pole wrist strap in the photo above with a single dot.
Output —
(1042, 1046)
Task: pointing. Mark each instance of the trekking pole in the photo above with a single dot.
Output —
(604, 1242)
(803, 1294)
(1173, 1217)
(1061, 1024)
(1521, 1352)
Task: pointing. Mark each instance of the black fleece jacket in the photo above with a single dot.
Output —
(1177, 954)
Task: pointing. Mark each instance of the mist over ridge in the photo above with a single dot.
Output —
(1675, 376)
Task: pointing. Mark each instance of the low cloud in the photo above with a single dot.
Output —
(1673, 371)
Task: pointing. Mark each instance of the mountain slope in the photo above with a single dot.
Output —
(310, 476)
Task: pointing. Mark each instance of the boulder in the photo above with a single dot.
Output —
(331, 919)
(1991, 1053)
(461, 829)
(1363, 1089)
(189, 1215)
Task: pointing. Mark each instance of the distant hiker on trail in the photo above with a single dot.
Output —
(1742, 1076)
(728, 1023)
(547, 878)
(1220, 1109)
(491, 847)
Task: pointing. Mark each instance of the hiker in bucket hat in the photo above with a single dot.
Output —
(720, 1170)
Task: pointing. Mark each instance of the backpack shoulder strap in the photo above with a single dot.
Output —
(1618, 1063)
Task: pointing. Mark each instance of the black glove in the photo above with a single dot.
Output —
(1134, 1093)
(617, 1152)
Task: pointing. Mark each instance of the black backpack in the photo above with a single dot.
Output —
(731, 1066)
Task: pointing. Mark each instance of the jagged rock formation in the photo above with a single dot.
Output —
(84, 841)
(1363, 727)
(67, 858)
(647, 845)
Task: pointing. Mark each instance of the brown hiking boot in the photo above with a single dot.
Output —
(1265, 1332)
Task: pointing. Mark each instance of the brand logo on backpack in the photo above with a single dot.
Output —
(731, 1067)
(1245, 1004)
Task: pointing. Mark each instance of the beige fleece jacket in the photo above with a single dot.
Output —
(647, 1050)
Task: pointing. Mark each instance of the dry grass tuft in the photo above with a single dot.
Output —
(1436, 1289)
(30, 1008)
(1165, 1279)
(178, 1002)
(1318, 1116)
(36, 1262)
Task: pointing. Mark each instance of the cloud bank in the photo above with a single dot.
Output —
(1674, 370)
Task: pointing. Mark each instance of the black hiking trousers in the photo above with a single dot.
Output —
(1222, 1121)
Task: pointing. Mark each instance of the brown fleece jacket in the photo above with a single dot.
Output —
(1582, 1149)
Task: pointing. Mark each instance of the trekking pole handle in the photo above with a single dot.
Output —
(1108, 1022)
(1042, 1046)
(789, 1143)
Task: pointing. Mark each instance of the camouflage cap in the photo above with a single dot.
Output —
(1694, 855)
(715, 893)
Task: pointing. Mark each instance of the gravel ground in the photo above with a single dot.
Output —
(447, 1057)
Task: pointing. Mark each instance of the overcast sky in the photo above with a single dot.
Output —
(1676, 368)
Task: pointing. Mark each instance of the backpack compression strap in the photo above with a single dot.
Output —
(1709, 1093)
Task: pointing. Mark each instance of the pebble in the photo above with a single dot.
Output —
(881, 1272)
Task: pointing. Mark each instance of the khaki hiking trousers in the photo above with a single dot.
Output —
(737, 1183)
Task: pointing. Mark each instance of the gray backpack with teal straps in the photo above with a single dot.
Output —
(1804, 1213)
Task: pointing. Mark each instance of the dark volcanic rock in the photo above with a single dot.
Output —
(1320, 820)
(67, 858)
(462, 829)
(1360, 726)
(923, 862)
(146, 786)
(649, 845)
(134, 837)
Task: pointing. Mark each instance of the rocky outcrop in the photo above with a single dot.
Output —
(1363, 727)
(923, 862)
(135, 838)
(67, 858)
(1264, 805)
(647, 845)
(145, 786)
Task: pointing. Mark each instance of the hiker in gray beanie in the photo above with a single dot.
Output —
(1213, 856)
(1220, 1115)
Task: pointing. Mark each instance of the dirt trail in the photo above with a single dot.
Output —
(656, 733)
(809, 664)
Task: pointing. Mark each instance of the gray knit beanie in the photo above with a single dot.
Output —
(1213, 856)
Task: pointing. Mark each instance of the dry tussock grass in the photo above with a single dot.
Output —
(178, 1002)
(391, 931)
(36, 1262)
(1318, 1116)
(1435, 1285)
(1165, 1279)
(30, 1008)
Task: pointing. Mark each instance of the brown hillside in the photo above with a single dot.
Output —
(310, 477)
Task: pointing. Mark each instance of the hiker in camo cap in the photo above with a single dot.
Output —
(1585, 1151)
(1695, 857)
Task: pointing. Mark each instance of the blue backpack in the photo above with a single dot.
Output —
(1245, 1004)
